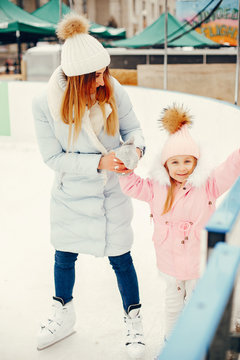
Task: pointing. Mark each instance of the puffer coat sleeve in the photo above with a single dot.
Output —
(136, 187)
(224, 176)
(52, 152)
(129, 125)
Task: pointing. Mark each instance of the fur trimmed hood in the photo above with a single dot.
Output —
(56, 87)
(92, 120)
(197, 178)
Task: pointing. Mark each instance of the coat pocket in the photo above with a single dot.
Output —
(161, 235)
(60, 177)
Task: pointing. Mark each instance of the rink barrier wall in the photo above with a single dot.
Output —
(4, 106)
(16, 100)
(20, 94)
(224, 226)
(223, 220)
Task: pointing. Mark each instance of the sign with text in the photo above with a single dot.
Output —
(221, 25)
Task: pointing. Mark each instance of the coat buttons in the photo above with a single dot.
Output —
(166, 222)
(184, 188)
(209, 203)
(182, 242)
(186, 238)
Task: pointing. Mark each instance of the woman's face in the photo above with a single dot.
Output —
(180, 167)
(99, 80)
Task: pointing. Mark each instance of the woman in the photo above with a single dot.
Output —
(79, 124)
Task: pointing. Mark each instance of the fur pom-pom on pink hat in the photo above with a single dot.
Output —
(176, 121)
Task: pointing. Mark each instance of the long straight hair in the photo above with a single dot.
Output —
(77, 96)
(170, 194)
(170, 197)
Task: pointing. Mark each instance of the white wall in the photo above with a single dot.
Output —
(216, 123)
(21, 94)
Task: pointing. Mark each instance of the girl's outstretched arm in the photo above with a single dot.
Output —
(136, 187)
(224, 176)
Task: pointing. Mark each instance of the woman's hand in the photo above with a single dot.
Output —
(139, 153)
(111, 163)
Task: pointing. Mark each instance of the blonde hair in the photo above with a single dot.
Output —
(78, 94)
(170, 197)
(170, 194)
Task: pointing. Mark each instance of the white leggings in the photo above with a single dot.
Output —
(177, 294)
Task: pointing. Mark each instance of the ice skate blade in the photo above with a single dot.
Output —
(55, 341)
(136, 353)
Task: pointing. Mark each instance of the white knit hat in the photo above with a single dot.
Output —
(81, 52)
(176, 121)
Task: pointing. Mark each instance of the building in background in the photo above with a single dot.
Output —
(133, 15)
(222, 24)
(32, 5)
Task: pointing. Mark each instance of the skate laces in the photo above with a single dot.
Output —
(134, 330)
(55, 320)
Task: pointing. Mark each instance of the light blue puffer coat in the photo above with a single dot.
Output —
(89, 212)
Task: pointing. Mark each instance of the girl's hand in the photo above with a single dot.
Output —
(111, 163)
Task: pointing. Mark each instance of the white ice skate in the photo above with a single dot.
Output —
(58, 326)
(135, 340)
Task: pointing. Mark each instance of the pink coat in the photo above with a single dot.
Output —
(176, 234)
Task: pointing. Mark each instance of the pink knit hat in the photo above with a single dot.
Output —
(176, 121)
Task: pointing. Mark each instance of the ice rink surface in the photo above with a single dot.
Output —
(26, 257)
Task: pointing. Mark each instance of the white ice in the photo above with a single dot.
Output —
(26, 260)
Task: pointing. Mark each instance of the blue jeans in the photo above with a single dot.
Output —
(64, 277)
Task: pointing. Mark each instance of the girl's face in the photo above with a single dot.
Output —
(181, 166)
(99, 80)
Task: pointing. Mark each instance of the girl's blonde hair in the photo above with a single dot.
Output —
(170, 194)
(77, 96)
(170, 197)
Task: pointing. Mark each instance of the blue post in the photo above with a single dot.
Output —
(198, 322)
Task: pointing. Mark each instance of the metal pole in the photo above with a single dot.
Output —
(60, 9)
(19, 51)
(237, 59)
(84, 5)
(165, 47)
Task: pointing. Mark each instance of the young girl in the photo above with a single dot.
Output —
(182, 200)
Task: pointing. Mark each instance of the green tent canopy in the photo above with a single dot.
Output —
(153, 36)
(15, 22)
(107, 32)
(50, 12)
